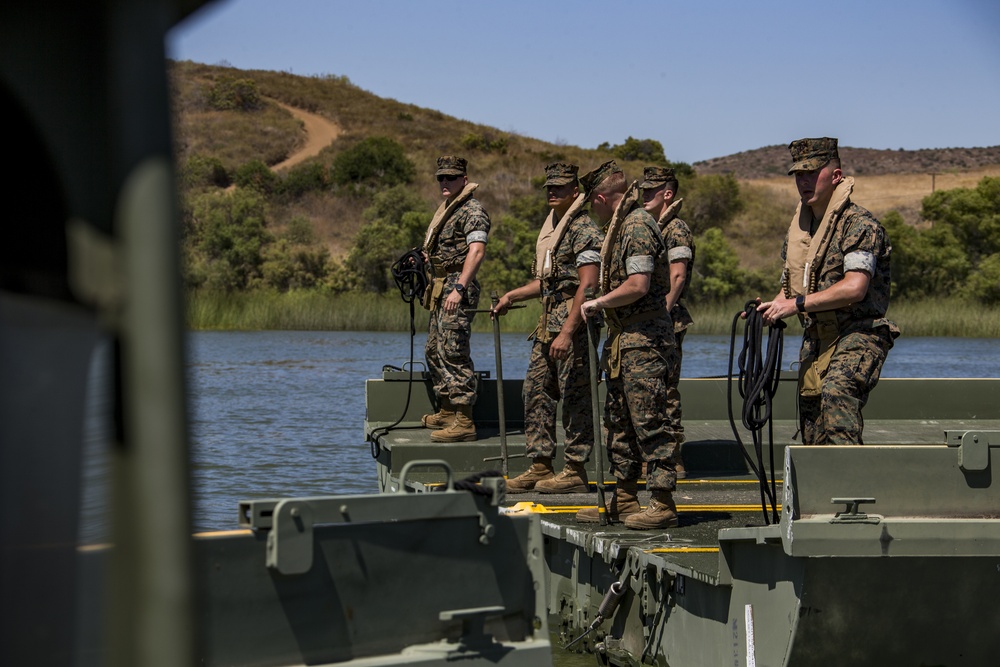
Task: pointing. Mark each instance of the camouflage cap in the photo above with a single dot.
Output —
(656, 177)
(561, 173)
(451, 165)
(812, 154)
(595, 177)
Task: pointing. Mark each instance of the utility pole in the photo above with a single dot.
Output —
(933, 174)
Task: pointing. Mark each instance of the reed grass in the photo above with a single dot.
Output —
(317, 311)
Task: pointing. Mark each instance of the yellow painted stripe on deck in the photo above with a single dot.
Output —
(537, 508)
(682, 550)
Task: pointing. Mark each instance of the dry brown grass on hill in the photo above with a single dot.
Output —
(336, 220)
(881, 193)
(772, 161)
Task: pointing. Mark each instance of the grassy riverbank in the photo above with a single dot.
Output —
(370, 312)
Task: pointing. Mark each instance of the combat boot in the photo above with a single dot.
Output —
(461, 428)
(572, 479)
(440, 419)
(661, 513)
(625, 502)
(541, 469)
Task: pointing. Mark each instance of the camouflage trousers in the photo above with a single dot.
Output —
(549, 380)
(636, 427)
(834, 417)
(448, 356)
(673, 402)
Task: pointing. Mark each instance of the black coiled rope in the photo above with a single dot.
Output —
(758, 381)
(410, 276)
(409, 273)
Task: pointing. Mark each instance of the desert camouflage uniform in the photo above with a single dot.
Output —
(834, 417)
(449, 360)
(636, 428)
(680, 245)
(549, 379)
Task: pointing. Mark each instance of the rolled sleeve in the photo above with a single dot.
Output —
(639, 264)
(859, 260)
(679, 253)
(588, 257)
(477, 237)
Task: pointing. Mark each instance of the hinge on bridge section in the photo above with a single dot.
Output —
(973, 447)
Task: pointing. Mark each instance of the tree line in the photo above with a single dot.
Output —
(230, 246)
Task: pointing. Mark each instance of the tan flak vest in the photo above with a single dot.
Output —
(545, 248)
(438, 277)
(804, 257)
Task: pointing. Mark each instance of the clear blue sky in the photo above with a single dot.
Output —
(705, 78)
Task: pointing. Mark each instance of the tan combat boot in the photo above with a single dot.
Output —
(572, 479)
(440, 419)
(625, 502)
(541, 469)
(461, 428)
(661, 513)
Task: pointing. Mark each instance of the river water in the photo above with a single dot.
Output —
(280, 413)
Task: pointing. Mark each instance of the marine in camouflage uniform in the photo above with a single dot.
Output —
(566, 264)
(836, 278)
(454, 246)
(659, 192)
(639, 354)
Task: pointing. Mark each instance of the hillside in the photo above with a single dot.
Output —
(773, 161)
(748, 194)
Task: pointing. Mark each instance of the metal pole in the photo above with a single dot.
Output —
(593, 336)
(501, 414)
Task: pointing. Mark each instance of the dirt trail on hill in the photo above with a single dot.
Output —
(320, 133)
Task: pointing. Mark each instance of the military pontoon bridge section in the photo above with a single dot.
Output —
(901, 411)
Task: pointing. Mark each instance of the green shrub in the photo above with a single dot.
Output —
(485, 143)
(303, 178)
(226, 237)
(396, 222)
(925, 263)
(201, 171)
(974, 214)
(509, 255)
(717, 272)
(649, 151)
(984, 283)
(532, 208)
(300, 231)
(711, 201)
(257, 176)
(288, 265)
(375, 161)
(232, 94)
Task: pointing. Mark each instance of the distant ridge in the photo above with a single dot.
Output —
(774, 161)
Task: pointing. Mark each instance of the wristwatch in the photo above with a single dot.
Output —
(800, 303)
(460, 288)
